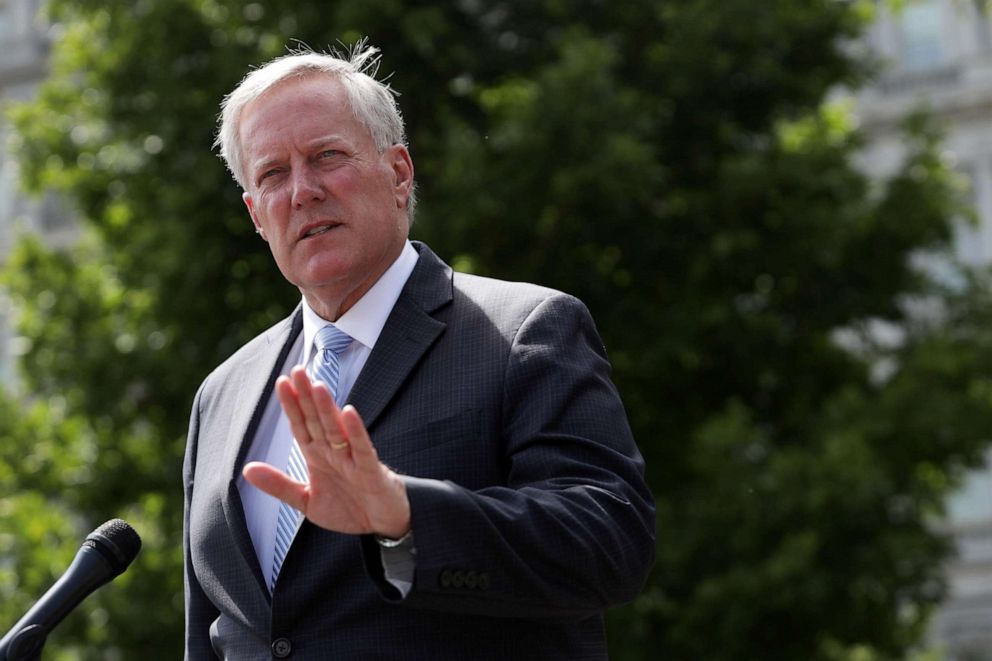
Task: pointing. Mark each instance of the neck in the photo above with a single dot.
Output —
(331, 308)
(329, 302)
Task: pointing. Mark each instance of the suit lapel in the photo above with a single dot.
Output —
(253, 393)
(409, 332)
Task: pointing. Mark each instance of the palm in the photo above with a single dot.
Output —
(341, 496)
(350, 490)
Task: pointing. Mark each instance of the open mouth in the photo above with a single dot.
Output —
(319, 229)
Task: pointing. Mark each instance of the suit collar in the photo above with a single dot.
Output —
(430, 285)
(409, 332)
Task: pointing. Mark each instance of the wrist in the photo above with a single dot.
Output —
(393, 542)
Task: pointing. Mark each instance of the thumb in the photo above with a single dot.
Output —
(277, 484)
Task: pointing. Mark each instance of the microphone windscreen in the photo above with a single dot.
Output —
(118, 541)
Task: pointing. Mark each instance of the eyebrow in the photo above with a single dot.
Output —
(333, 138)
(255, 169)
(269, 161)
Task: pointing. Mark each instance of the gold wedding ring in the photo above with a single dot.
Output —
(339, 446)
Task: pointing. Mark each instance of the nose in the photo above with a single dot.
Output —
(306, 187)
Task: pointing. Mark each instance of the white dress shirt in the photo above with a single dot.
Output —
(363, 322)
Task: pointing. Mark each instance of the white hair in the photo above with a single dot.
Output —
(372, 101)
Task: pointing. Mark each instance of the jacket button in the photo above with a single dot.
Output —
(281, 648)
(446, 578)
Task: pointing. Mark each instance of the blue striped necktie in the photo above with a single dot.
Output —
(326, 367)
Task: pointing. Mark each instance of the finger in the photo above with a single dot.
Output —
(276, 483)
(290, 402)
(304, 388)
(358, 436)
(330, 418)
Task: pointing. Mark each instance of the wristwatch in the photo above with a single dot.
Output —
(388, 543)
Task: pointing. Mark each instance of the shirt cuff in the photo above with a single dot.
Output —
(399, 563)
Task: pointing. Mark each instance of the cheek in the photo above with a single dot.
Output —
(363, 180)
(271, 207)
(345, 182)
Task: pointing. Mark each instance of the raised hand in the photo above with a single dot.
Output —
(350, 490)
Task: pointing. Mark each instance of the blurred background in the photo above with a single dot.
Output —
(779, 213)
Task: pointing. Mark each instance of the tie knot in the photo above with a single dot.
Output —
(330, 338)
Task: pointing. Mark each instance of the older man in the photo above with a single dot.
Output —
(416, 463)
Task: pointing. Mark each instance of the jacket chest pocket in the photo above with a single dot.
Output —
(452, 448)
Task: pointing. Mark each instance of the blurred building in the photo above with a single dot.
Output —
(24, 45)
(937, 54)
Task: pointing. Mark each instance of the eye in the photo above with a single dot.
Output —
(269, 173)
(328, 153)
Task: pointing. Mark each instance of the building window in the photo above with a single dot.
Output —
(921, 28)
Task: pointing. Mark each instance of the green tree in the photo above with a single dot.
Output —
(672, 163)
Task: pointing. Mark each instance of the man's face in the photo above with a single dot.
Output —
(331, 207)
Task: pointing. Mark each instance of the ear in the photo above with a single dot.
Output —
(402, 167)
(254, 217)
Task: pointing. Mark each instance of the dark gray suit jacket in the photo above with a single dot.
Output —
(529, 508)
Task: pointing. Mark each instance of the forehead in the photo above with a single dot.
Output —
(299, 108)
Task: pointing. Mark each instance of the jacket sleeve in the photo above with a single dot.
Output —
(571, 532)
(200, 613)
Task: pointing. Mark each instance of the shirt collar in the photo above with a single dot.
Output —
(365, 319)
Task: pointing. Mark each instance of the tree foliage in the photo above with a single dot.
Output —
(804, 393)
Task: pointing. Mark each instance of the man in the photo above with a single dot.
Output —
(479, 496)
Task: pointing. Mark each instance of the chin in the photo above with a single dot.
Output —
(327, 266)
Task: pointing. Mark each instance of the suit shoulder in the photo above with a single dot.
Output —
(504, 294)
(510, 304)
(246, 356)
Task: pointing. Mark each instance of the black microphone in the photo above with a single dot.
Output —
(104, 555)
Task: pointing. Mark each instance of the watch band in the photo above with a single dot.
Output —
(388, 543)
